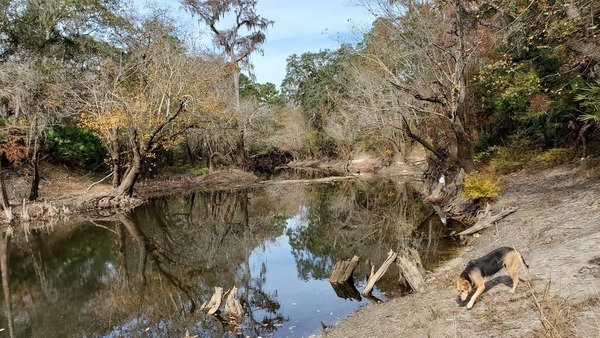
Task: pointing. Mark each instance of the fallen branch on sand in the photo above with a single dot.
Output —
(487, 220)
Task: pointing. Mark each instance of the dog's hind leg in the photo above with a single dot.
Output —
(479, 284)
(512, 266)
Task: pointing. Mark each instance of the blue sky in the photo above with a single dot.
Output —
(300, 26)
(305, 26)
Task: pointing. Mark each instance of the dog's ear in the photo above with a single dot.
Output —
(463, 285)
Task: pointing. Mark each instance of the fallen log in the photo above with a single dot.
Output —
(377, 275)
(212, 306)
(487, 220)
(343, 270)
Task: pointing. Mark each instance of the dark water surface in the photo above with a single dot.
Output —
(147, 273)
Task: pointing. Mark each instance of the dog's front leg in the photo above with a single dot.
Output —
(479, 291)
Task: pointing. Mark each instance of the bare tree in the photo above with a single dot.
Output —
(245, 36)
(425, 51)
(37, 91)
(155, 95)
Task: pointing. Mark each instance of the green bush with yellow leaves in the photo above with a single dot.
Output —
(481, 186)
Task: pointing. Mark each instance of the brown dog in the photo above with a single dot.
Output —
(478, 269)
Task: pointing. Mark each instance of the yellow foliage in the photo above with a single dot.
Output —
(155, 101)
(480, 185)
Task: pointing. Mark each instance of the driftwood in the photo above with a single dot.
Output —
(343, 270)
(411, 270)
(377, 275)
(98, 182)
(212, 306)
(233, 308)
(487, 220)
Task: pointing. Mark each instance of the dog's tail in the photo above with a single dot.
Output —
(523, 260)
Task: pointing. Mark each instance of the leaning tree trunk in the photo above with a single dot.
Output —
(35, 181)
(115, 159)
(128, 183)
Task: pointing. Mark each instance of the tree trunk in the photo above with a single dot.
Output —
(140, 240)
(115, 160)
(464, 152)
(211, 307)
(233, 308)
(343, 270)
(377, 275)
(4, 202)
(411, 271)
(126, 186)
(241, 149)
(35, 181)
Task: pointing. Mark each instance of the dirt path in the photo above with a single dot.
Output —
(557, 228)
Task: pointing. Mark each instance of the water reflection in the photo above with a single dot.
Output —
(147, 273)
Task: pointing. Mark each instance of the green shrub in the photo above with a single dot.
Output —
(187, 169)
(317, 143)
(479, 185)
(75, 147)
(513, 157)
(556, 156)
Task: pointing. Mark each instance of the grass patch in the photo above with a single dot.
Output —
(510, 158)
(187, 169)
(591, 166)
(554, 313)
(556, 156)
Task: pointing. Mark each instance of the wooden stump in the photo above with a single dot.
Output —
(411, 270)
(343, 271)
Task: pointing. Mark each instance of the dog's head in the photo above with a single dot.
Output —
(464, 288)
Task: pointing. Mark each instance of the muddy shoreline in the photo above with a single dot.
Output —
(557, 228)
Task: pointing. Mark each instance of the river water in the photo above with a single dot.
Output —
(148, 272)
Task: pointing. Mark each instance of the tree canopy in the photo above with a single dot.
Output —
(455, 78)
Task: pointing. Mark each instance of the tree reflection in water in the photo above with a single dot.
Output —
(148, 271)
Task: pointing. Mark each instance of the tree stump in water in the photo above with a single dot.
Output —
(343, 270)
(411, 270)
